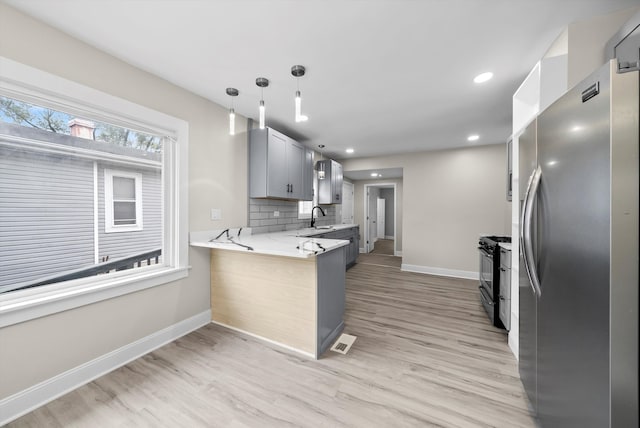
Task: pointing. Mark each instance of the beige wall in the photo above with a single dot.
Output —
(449, 197)
(358, 207)
(587, 41)
(37, 350)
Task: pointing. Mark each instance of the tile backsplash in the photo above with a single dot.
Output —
(262, 220)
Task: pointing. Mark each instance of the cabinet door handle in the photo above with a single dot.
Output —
(291, 188)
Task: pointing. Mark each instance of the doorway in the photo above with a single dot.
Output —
(380, 202)
(347, 203)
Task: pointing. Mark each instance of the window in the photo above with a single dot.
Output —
(71, 175)
(305, 207)
(123, 201)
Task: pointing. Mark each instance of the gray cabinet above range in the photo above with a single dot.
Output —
(278, 166)
(330, 187)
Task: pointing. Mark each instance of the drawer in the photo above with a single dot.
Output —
(504, 310)
(505, 258)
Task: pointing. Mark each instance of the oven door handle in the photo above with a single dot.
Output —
(485, 296)
(525, 230)
(485, 252)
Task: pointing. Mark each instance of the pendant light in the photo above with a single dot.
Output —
(298, 71)
(262, 82)
(232, 92)
(320, 167)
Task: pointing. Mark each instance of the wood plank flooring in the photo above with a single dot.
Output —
(383, 246)
(380, 260)
(426, 356)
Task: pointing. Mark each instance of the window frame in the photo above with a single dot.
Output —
(32, 85)
(303, 214)
(109, 215)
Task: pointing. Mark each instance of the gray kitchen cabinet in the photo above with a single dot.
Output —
(509, 169)
(307, 188)
(276, 165)
(352, 250)
(504, 307)
(330, 188)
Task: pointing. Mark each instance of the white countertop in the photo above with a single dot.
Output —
(505, 245)
(313, 231)
(291, 243)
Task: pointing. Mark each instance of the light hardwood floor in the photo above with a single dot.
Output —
(383, 246)
(425, 356)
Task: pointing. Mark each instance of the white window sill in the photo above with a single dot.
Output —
(25, 305)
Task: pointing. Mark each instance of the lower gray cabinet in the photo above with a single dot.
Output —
(504, 306)
(353, 249)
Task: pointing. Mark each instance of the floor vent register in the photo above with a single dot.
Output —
(343, 344)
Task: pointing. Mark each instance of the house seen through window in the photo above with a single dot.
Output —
(78, 197)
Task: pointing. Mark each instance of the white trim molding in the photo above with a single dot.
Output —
(40, 394)
(398, 254)
(440, 271)
(48, 90)
(266, 340)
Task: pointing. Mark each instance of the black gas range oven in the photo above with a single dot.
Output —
(490, 276)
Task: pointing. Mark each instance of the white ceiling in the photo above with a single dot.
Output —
(382, 76)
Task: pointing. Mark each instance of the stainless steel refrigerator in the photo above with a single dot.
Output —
(578, 305)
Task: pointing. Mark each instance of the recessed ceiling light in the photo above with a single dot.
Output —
(481, 78)
(349, 150)
(374, 174)
(473, 138)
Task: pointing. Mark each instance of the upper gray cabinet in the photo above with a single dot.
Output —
(307, 172)
(277, 166)
(330, 187)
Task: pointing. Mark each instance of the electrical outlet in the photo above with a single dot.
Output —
(216, 214)
(276, 213)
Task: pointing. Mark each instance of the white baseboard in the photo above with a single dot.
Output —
(440, 271)
(264, 339)
(33, 397)
(361, 249)
(398, 253)
(389, 237)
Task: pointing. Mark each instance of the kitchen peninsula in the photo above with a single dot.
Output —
(285, 287)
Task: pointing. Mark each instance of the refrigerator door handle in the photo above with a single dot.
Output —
(523, 249)
(525, 230)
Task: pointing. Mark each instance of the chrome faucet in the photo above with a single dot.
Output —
(313, 220)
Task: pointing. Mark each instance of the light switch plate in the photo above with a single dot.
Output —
(216, 214)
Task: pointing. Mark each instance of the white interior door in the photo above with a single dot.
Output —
(380, 218)
(372, 213)
(347, 203)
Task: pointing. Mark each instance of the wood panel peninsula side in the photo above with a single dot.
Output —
(286, 289)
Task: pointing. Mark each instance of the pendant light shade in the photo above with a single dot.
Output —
(262, 82)
(232, 92)
(298, 71)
